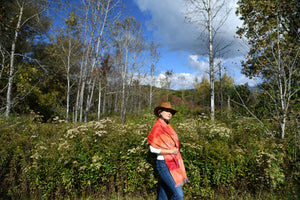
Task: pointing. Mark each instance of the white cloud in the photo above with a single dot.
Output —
(199, 65)
(183, 81)
(169, 25)
(179, 81)
(241, 80)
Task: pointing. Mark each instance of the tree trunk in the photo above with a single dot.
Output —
(104, 100)
(116, 102)
(124, 71)
(282, 86)
(76, 106)
(68, 82)
(99, 100)
(81, 97)
(211, 66)
(81, 80)
(228, 104)
(151, 86)
(221, 88)
(12, 67)
(89, 99)
(210, 11)
(140, 99)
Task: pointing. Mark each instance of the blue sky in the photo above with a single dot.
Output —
(164, 22)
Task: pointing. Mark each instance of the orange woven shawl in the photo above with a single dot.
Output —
(163, 136)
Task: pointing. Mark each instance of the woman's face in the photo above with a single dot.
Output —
(166, 115)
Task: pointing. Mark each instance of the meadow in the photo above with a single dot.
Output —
(232, 158)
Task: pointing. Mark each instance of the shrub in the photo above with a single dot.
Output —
(104, 159)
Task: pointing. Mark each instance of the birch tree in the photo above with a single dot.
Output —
(100, 48)
(210, 16)
(65, 50)
(72, 50)
(155, 56)
(95, 17)
(129, 44)
(272, 30)
(28, 16)
(166, 82)
(103, 71)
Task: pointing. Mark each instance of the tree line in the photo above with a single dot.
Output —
(89, 58)
(82, 55)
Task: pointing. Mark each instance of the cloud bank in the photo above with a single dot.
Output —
(168, 25)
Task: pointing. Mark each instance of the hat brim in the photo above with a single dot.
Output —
(163, 109)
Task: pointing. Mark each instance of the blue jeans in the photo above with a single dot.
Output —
(167, 183)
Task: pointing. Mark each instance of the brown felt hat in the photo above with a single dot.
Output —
(164, 106)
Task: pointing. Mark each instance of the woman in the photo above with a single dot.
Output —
(164, 142)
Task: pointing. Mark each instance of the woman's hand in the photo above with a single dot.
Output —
(170, 151)
(175, 151)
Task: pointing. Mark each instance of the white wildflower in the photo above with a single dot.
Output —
(71, 133)
(100, 133)
(82, 128)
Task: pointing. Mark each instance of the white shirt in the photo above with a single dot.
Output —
(157, 151)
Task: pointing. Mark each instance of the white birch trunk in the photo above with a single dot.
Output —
(85, 58)
(104, 101)
(99, 100)
(95, 59)
(124, 71)
(81, 97)
(210, 12)
(68, 82)
(78, 97)
(228, 104)
(211, 66)
(116, 102)
(89, 100)
(12, 67)
(140, 99)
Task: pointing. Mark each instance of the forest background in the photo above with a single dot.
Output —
(77, 100)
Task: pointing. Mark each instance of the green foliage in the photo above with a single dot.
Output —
(106, 160)
(270, 29)
(262, 29)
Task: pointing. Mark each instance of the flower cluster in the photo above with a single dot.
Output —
(56, 120)
(193, 127)
(134, 150)
(220, 131)
(194, 146)
(96, 162)
(97, 128)
(143, 166)
(214, 130)
(71, 133)
(64, 145)
(188, 128)
(142, 129)
(270, 169)
(265, 158)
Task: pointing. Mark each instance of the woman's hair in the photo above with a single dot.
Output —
(159, 112)
(164, 109)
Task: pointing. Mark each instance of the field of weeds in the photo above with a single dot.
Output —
(110, 160)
